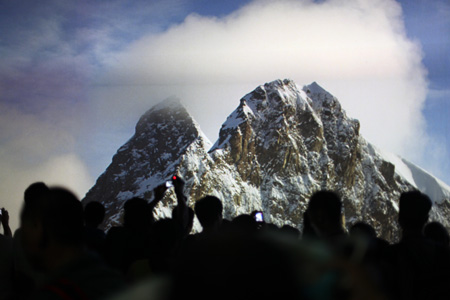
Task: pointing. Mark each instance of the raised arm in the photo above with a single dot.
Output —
(5, 222)
(181, 214)
(158, 194)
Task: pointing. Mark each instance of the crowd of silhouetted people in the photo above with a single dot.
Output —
(60, 252)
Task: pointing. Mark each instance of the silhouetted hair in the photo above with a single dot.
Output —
(414, 209)
(244, 224)
(33, 200)
(35, 191)
(362, 228)
(94, 213)
(327, 203)
(137, 214)
(208, 210)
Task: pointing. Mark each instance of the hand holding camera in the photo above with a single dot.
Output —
(178, 184)
(4, 218)
(4, 215)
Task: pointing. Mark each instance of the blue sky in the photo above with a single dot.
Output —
(428, 21)
(76, 75)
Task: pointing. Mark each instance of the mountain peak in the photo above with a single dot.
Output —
(279, 84)
(315, 88)
(274, 96)
(169, 103)
(165, 138)
(167, 111)
(269, 105)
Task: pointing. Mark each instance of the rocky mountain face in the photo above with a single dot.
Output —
(281, 144)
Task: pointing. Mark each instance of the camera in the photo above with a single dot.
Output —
(169, 183)
(259, 217)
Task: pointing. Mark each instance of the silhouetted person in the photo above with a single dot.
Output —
(6, 258)
(209, 213)
(52, 236)
(165, 235)
(130, 242)
(367, 235)
(420, 268)
(125, 245)
(94, 213)
(182, 215)
(436, 232)
(25, 277)
(363, 229)
(4, 218)
(368, 250)
(137, 214)
(325, 216)
(165, 239)
(414, 209)
(308, 231)
(325, 221)
(34, 192)
(185, 228)
(244, 224)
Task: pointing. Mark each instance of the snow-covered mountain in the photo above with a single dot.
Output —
(281, 144)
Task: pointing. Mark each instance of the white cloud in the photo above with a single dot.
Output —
(358, 50)
(65, 170)
(35, 148)
(49, 51)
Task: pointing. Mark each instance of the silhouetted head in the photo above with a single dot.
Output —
(414, 209)
(137, 214)
(209, 211)
(35, 190)
(33, 200)
(324, 212)
(436, 232)
(94, 212)
(244, 224)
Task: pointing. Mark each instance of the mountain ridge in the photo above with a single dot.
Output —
(275, 149)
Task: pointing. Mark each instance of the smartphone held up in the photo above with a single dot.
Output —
(169, 183)
(259, 217)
